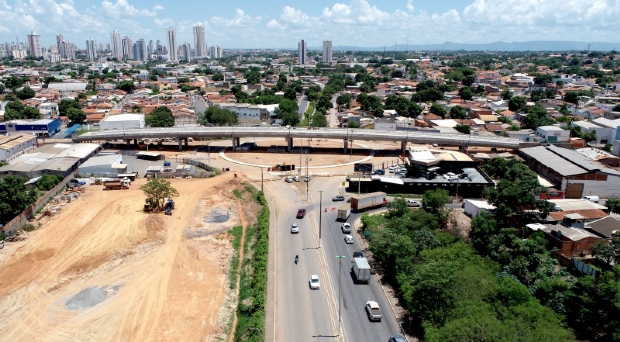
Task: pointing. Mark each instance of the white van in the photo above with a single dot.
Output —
(413, 203)
(591, 198)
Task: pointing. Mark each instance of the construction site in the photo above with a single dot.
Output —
(101, 267)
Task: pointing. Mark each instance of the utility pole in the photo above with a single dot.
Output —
(261, 180)
(320, 214)
(340, 257)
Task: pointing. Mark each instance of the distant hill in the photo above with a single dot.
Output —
(497, 46)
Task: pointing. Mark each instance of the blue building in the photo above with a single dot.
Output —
(40, 128)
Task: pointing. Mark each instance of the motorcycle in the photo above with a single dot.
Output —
(296, 259)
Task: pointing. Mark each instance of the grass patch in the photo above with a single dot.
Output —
(253, 282)
(28, 227)
(84, 131)
(237, 194)
(236, 232)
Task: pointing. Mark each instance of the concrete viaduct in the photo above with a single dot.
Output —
(346, 135)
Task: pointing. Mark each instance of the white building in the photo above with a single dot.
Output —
(103, 165)
(171, 37)
(249, 114)
(187, 51)
(116, 45)
(127, 48)
(302, 49)
(14, 146)
(91, 49)
(34, 44)
(327, 51)
(603, 134)
(140, 51)
(122, 121)
(553, 134)
(612, 124)
(200, 44)
(473, 208)
(215, 52)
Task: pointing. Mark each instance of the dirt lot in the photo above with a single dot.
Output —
(103, 270)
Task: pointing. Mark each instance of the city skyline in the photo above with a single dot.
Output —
(281, 24)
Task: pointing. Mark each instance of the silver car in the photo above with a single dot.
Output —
(294, 228)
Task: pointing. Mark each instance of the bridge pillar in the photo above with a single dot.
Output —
(128, 143)
(289, 144)
(186, 143)
(403, 147)
(346, 145)
(180, 145)
(236, 142)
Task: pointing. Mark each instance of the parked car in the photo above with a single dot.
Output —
(594, 199)
(348, 239)
(348, 178)
(373, 311)
(380, 172)
(314, 282)
(301, 213)
(413, 203)
(397, 338)
(346, 228)
(307, 179)
(338, 198)
(402, 174)
(359, 254)
(294, 228)
(392, 169)
(288, 180)
(296, 179)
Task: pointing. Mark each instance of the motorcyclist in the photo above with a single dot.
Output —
(296, 259)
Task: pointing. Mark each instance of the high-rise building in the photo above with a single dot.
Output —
(91, 49)
(140, 51)
(116, 45)
(199, 41)
(151, 48)
(60, 44)
(302, 48)
(171, 36)
(34, 43)
(187, 51)
(327, 51)
(215, 51)
(127, 48)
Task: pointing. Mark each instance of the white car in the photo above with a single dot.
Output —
(314, 282)
(346, 228)
(296, 178)
(392, 169)
(448, 175)
(288, 180)
(348, 239)
(373, 310)
(294, 228)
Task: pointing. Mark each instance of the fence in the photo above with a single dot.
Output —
(196, 163)
(180, 174)
(30, 212)
(583, 267)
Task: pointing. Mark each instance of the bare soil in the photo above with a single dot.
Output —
(101, 269)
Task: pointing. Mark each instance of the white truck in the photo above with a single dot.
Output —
(344, 211)
(361, 269)
(367, 201)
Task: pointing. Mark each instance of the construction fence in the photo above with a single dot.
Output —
(197, 163)
(16, 223)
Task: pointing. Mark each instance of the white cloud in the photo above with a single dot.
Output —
(410, 7)
(240, 20)
(166, 22)
(158, 8)
(358, 12)
(123, 8)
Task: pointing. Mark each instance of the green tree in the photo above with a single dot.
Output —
(465, 129)
(536, 117)
(353, 124)
(434, 201)
(12, 82)
(12, 114)
(127, 86)
(589, 136)
(158, 190)
(217, 116)
(517, 103)
(161, 117)
(466, 93)
(504, 119)
(217, 77)
(458, 112)
(319, 120)
(439, 110)
(506, 94)
(76, 115)
(30, 113)
(253, 77)
(48, 182)
(344, 102)
(607, 148)
(25, 93)
(613, 204)
(16, 197)
(64, 105)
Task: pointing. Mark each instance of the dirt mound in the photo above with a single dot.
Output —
(154, 224)
(86, 298)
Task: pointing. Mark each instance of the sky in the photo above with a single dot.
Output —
(282, 23)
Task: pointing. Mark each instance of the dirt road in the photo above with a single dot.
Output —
(103, 270)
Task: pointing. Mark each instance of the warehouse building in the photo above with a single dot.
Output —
(16, 145)
(122, 121)
(40, 128)
(103, 165)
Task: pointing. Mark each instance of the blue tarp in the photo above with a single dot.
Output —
(72, 130)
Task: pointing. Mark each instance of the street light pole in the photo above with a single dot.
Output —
(320, 214)
(340, 257)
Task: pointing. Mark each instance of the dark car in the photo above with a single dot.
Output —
(338, 198)
(396, 338)
(380, 172)
(301, 213)
(359, 254)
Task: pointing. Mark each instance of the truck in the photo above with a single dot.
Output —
(343, 212)
(115, 184)
(368, 201)
(361, 270)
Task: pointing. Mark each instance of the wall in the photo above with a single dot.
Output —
(16, 223)
(603, 189)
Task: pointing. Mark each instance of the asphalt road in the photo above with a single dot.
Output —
(355, 322)
(300, 314)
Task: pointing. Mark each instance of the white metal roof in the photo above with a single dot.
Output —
(124, 117)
